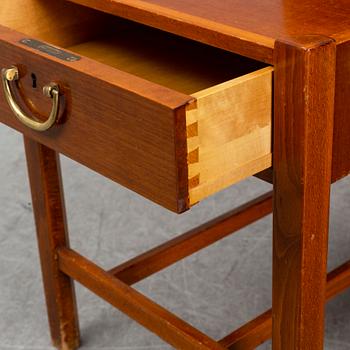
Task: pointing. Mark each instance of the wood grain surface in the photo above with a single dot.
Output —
(39, 19)
(158, 258)
(49, 211)
(233, 133)
(308, 43)
(166, 325)
(303, 130)
(251, 334)
(232, 111)
(341, 138)
(168, 60)
(229, 124)
(124, 127)
(248, 27)
(257, 331)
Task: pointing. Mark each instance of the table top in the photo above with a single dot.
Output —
(249, 27)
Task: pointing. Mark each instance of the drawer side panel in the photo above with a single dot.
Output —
(229, 133)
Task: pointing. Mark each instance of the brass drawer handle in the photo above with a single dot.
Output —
(51, 91)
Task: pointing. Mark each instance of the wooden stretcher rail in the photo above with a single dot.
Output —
(166, 325)
(173, 330)
(250, 335)
(338, 280)
(258, 330)
(190, 242)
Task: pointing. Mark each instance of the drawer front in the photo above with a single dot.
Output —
(129, 130)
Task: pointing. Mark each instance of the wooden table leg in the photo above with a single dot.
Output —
(48, 204)
(303, 129)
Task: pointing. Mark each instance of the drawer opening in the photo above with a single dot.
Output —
(165, 59)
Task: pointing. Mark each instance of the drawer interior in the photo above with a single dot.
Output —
(165, 59)
(229, 120)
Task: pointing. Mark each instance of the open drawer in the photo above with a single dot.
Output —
(169, 118)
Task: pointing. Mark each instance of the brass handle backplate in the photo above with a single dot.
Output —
(52, 91)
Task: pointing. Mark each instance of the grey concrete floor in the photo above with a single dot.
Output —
(216, 290)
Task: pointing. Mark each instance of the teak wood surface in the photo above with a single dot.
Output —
(304, 110)
(151, 109)
(50, 218)
(250, 28)
(308, 44)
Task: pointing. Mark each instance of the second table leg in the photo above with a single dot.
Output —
(303, 129)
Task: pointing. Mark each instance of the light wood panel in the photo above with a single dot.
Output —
(233, 133)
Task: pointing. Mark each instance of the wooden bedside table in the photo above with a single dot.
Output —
(176, 100)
